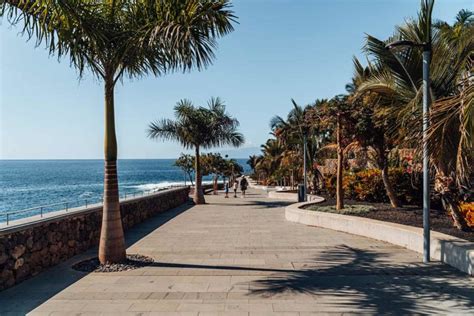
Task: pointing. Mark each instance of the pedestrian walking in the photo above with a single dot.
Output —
(243, 185)
(226, 188)
(236, 186)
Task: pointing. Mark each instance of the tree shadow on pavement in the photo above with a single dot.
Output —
(26, 296)
(257, 204)
(364, 280)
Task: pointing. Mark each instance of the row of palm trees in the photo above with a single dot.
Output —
(381, 112)
(211, 164)
(118, 39)
(199, 128)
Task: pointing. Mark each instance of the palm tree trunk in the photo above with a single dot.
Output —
(198, 193)
(340, 157)
(450, 198)
(453, 209)
(388, 187)
(112, 242)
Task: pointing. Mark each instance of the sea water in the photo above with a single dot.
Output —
(30, 183)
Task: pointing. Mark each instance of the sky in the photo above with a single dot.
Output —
(281, 49)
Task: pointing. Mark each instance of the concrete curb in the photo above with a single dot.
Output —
(456, 252)
(292, 196)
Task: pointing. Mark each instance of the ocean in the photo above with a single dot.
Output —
(32, 183)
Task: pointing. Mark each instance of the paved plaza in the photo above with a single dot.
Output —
(241, 257)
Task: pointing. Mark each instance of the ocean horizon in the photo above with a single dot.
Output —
(28, 183)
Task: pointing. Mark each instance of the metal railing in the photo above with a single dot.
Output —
(76, 204)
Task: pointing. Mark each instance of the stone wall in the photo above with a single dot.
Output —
(28, 249)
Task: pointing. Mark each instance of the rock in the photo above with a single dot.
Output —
(18, 251)
(53, 249)
(3, 258)
(19, 263)
(35, 258)
(22, 272)
(29, 242)
(51, 236)
(6, 277)
(71, 243)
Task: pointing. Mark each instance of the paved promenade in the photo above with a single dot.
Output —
(241, 257)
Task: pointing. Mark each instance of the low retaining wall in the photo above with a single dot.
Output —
(293, 196)
(458, 253)
(28, 249)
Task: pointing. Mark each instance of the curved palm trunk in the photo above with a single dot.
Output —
(454, 210)
(450, 200)
(383, 163)
(394, 202)
(198, 193)
(112, 242)
(340, 157)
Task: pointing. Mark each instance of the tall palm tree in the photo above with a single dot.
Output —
(399, 78)
(199, 128)
(371, 127)
(272, 152)
(121, 38)
(297, 129)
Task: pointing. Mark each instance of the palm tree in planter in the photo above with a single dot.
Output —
(118, 38)
(199, 128)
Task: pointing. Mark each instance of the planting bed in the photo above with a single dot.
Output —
(407, 215)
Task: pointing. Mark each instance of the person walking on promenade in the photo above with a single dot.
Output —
(226, 188)
(236, 186)
(243, 185)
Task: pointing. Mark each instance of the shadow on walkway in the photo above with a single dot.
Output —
(26, 296)
(257, 204)
(365, 282)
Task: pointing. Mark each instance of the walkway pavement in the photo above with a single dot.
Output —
(241, 257)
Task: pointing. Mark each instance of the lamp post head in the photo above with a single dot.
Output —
(406, 43)
(395, 44)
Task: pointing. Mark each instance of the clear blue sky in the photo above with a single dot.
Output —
(281, 49)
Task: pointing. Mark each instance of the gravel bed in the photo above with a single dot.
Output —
(132, 262)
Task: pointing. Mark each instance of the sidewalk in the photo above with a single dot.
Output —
(241, 257)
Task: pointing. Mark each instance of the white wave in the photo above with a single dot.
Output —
(160, 185)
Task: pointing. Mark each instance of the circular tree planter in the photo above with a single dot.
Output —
(131, 263)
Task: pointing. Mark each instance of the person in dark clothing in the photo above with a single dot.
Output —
(243, 185)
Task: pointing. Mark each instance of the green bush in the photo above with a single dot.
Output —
(367, 185)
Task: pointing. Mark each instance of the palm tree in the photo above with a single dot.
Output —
(295, 130)
(272, 152)
(198, 128)
(252, 162)
(371, 127)
(121, 38)
(336, 115)
(398, 78)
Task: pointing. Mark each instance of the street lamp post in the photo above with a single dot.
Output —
(426, 107)
(304, 168)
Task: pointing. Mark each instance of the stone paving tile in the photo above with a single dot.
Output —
(241, 257)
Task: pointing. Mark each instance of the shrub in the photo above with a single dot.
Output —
(467, 209)
(353, 209)
(367, 185)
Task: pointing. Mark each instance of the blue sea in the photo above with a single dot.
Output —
(30, 183)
